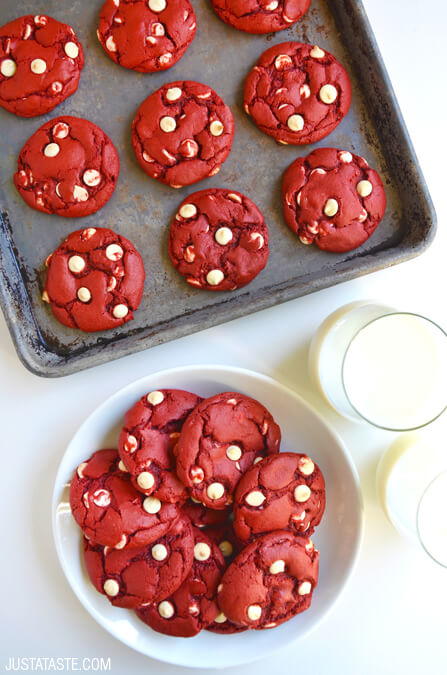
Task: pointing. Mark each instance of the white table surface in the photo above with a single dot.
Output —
(392, 617)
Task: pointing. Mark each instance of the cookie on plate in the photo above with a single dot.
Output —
(282, 492)
(108, 509)
(333, 198)
(219, 441)
(146, 35)
(270, 581)
(68, 167)
(95, 280)
(260, 16)
(151, 429)
(134, 577)
(182, 133)
(193, 606)
(41, 61)
(297, 93)
(218, 240)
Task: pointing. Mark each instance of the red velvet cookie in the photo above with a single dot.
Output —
(201, 516)
(151, 429)
(218, 240)
(40, 64)
(260, 16)
(193, 606)
(68, 167)
(223, 535)
(270, 581)
(282, 492)
(110, 511)
(182, 133)
(133, 577)
(219, 441)
(95, 280)
(333, 198)
(146, 35)
(297, 93)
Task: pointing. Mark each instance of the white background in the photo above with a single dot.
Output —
(392, 618)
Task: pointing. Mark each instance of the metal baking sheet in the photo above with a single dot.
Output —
(141, 209)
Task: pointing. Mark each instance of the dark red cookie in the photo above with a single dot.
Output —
(182, 133)
(146, 35)
(282, 492)
(270, 581)
(333, 198)
(110, 511)
(68, 167)
(201, 516)
(218, 240)
(260, 16)
(193, 606)
(297, 93)
(223, 535)
(219, 441)
(151, 429)
(40, 64)
(133, 577)
(95, 280)
(224, 626)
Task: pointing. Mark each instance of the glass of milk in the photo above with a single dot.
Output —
(373, 363)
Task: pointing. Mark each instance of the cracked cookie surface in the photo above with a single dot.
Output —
(282, 492)
(333, 198)
(146, 35)
(110, 511)
(133, 577)
(297, 93)
(260, 16)
(41, 61)
(270, 581)
(218, 240)
(95, 280)
(68, 167)
(182, 133)
(219, 441)
(201, 516)
(151, 430)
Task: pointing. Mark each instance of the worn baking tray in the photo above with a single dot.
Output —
(141, 208)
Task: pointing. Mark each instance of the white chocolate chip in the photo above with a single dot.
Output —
(8, 68)
(272, 6)
(304, 588)
(189, 254)
(345, 157)
(309, 546)
(364, 188)
(166, 608)
(197, 474)
(317, 53)
(234, 452)
(51, 150)
(189, 148)
(220, 618)
(120, 311)
(88, 232)
(305, 91)
(223, 235)
(91, 177)
(38, 66)
(155, 397)
(234, 197)
(114, 252)
(122, 542)
(202, 551)
(84, 294)
(168, 124)
(147, 158)
(306, 466)
(215, 490)
(27, 32)
(159, 552)
(158, 29)
(80, 194)
(41, 20)
(111, 588)
(328, 93)
(152, 505)
(157, 5)
(76, 264)
(331, 208)
(216, 128)
(257, 460)
(305, 240)
(214, 171)
(194, 609)
(80, 469)
(131, 444)
(282, 61)
(254, 612)
(301, 493)
(71, 49)
(145, 480)
(164, 59)
(298, 198)
(57, 87)
(101, 498)
(295, 122)
(188, 211)
(61, 130)
(111, 44)
(363, 216)
(215, 277)
(226, 548)
(277, 567)
(256, 236)
(173, 94)
(122, 466)
(255, 498)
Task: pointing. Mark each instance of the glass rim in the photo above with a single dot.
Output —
(421, 541)
(361, 415)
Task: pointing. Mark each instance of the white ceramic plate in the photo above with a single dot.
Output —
(303, 430)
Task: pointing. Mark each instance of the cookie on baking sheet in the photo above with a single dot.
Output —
(41, 61)
(218, 240)
(201, 516)
(297, 93)
(333, 198)
(282, 492)
(133, 577)
(151, 429)
(219, 441)
(260, 16)
(109, 510)
(182, 133)
(270, 581)
(95, 280)
(146, 35)
(193, 606)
